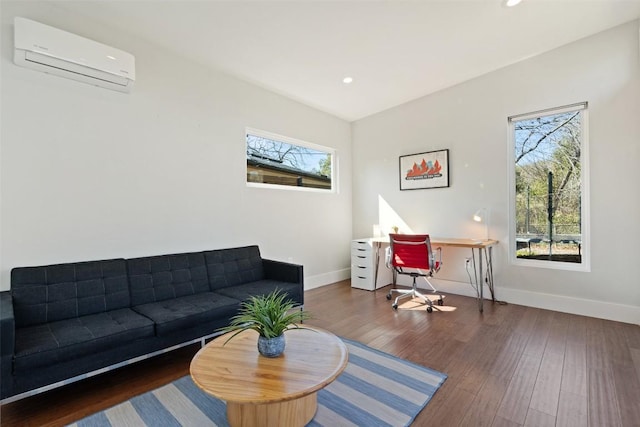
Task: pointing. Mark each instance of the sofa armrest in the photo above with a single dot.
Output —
(7, 324)
(282, 271)
(285, 272)
(7, 343)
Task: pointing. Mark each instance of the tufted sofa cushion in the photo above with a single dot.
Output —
(159, 278)
(186, 312)
(67, 339)
(231, 267)
(64, 291)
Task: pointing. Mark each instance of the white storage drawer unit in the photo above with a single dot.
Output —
(363, 262)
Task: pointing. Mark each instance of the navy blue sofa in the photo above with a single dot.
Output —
(60, 323)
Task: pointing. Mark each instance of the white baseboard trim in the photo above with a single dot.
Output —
(592, 308)
(312, 282)
(565, 304)
(584, 307)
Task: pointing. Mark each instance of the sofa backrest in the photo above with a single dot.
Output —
(64, 291)
(163, 277)
(230, 267)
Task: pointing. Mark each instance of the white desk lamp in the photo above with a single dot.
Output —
(482, 215)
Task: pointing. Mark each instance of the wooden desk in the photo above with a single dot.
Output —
(482, 246)
(270, 392)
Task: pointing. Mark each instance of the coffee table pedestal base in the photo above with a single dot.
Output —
(296, 412)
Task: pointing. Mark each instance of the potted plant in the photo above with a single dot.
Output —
(270, 316)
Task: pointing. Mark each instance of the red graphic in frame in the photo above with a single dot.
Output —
(425, 170)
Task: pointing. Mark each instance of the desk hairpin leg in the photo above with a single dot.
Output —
(479, 276)
(481, 283)
(490, 272)
(477, 273)
(475, 276)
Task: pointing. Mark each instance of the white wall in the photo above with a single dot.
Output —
(89, 173)
(471, 120)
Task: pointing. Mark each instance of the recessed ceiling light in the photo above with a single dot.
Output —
(347, 80)
(511, 3)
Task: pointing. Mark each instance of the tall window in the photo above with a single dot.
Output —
(549, 188)
(275, 160)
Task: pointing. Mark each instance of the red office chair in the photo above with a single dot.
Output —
(413, 252)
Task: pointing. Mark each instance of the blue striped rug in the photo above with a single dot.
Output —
(375, 389)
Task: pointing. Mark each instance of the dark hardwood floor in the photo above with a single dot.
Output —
(510, 366)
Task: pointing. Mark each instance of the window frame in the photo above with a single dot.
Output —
(294, 141)
(585, 264)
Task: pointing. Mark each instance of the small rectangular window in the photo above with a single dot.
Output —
(549, 188)
(275, 160)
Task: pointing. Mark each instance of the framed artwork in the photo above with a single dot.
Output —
(424, 170)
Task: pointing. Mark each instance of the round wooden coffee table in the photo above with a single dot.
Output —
(279, 391)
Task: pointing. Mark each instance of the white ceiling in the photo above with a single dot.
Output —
(396, 50)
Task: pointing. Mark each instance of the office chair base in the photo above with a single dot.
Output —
(414, 293)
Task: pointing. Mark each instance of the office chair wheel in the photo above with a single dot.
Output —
(394, 306)
(440, 302)
(388, 297)
(429, 309)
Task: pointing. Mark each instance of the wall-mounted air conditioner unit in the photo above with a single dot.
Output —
(58, 52)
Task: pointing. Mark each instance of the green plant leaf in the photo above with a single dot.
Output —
(269, 315)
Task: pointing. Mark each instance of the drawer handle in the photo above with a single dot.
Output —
(361, 257)
(362, 266)
(360, 277)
